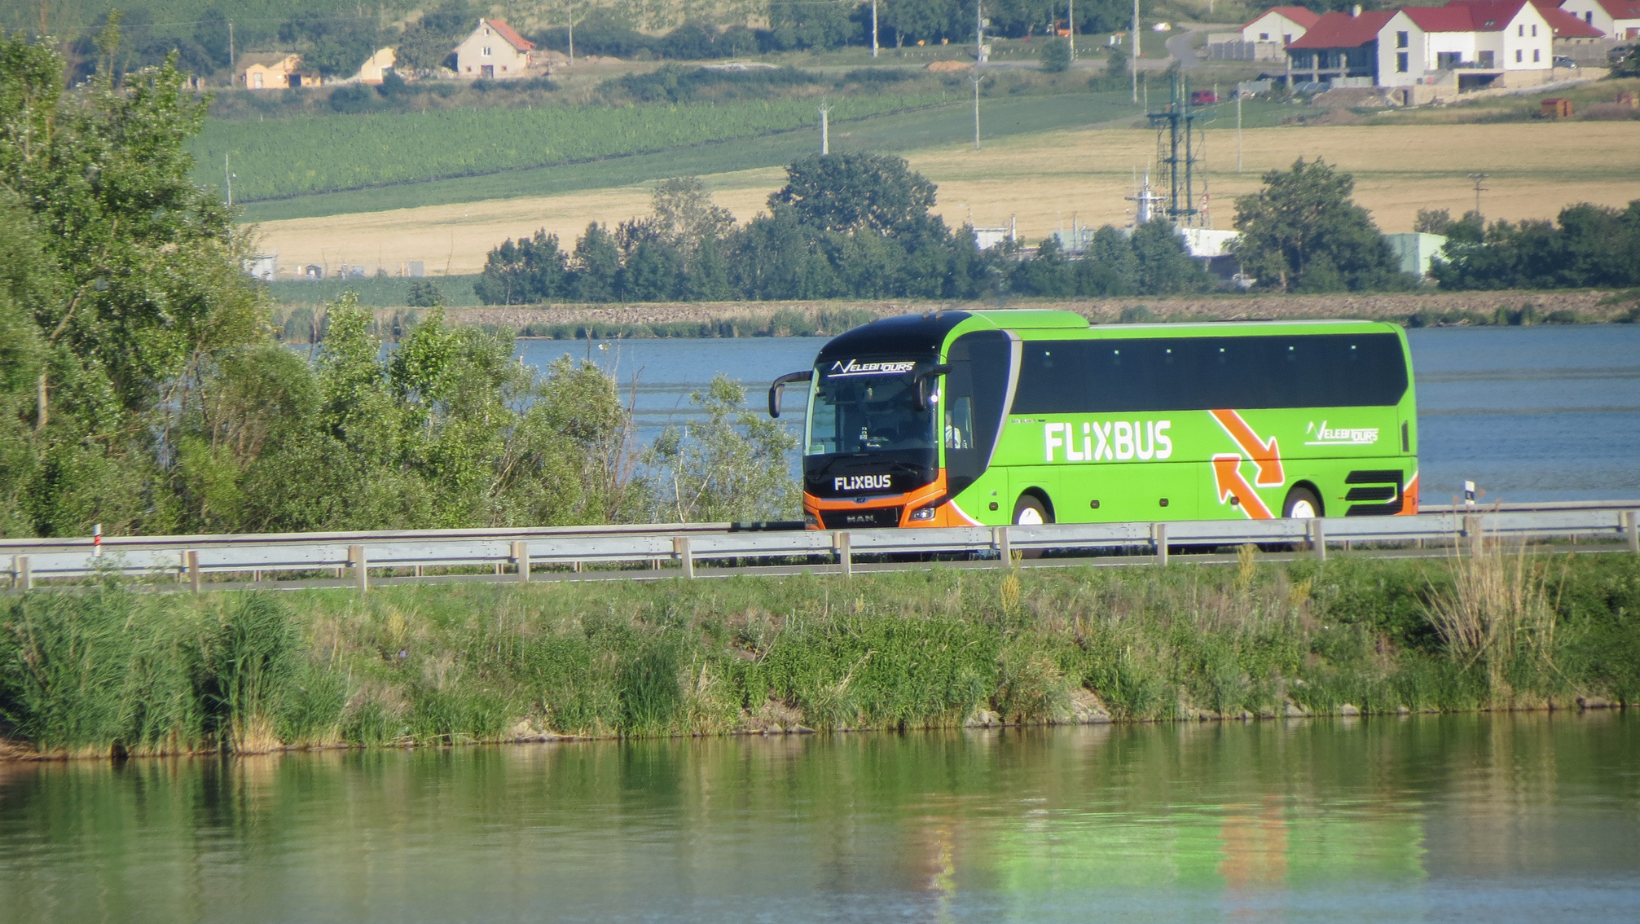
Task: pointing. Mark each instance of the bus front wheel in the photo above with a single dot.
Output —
(1301, 504)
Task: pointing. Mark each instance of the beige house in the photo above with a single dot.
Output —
(375, 67)
(274, 72)
(494, 52)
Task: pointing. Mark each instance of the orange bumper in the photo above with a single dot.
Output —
(944, 515)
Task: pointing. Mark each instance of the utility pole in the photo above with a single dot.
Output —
(976, 78)
(1070, 24)
(571, 14)
(227, 172)
(1479, 178)
(979, 38)
(1238, 129)
(825, 128)
(230, 53)
(874, 29)
(1134, 51)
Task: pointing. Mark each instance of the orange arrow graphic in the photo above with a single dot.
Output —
(1227, 478)
(1266, 455)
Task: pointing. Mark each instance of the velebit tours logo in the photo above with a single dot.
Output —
(1330, 436)
(854, 367)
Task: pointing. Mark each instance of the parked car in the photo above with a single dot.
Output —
(1203, 97)
(1564, 61)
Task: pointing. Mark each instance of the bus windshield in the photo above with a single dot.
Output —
(865, 413)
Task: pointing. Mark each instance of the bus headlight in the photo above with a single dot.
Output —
(923, 513)
(810, 521)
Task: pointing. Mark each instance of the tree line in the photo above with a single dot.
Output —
(142, 387)
(1586, 246)
(854, 225)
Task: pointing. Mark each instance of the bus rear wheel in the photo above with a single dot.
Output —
(1301, 504)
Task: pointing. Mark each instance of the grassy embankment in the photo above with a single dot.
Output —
(111, 671)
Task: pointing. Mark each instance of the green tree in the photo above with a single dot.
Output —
(1047, 273)
(137, 283)
(1162, 264)
(854, 192)
(1302, 232)
(1055, 56)
(921, 19)
(596, 262)
(1470, 229)
(732, 466)
(1109, 267)
(686, 215)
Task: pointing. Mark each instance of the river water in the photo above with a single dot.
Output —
(1525, 818)
(1528, 413)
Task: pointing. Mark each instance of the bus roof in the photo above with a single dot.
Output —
(912, 334)
(1029, 322)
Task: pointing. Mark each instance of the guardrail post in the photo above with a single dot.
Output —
(1633, 530)
(521, 558)
(845, 553)
(23, 575)
(361, 567)
(680, 548)
(1158, 537)
(1318, 539)
(1472, 532)
(1005, 551)
(191, 560)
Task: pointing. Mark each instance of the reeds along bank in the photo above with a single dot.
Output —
(109, 671)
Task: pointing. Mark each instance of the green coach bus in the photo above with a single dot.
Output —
(961, 418)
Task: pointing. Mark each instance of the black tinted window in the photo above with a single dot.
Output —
(1199, 373)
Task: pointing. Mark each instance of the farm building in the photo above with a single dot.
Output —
(1416, 250)
(375, 67)
(1618, 19)
(494, 51)
(277, 71)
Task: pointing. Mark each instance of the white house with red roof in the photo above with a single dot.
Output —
(494, 52)
(1569, 30)
(1483, 43)
(1618, 19)
(1263, 39)
(1280, 24)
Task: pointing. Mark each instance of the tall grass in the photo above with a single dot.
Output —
(108, 671)
(1498, 615)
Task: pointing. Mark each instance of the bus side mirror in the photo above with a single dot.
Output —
(778, 389)
(921, 386)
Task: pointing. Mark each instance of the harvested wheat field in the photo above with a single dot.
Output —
(1046, 181)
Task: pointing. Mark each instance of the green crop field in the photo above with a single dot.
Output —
(952, 122)
(317, 154)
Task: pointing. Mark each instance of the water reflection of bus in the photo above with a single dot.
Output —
(994, 417)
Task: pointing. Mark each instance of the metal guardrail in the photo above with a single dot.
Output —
(520, 553)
